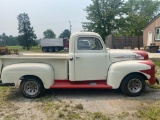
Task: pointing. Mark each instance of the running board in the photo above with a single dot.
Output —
(81, 84)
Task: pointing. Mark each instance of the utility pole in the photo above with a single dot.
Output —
(70, 26)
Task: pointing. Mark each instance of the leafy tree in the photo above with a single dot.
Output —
(103, 16)
(8, 40)
(27, 36)
(12, 41)
(138, 13)
(49, 34)
(4, 39)
(65, 34)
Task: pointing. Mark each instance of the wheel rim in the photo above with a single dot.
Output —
(50, 50)
(134, 85)
(44, 50)
(56, 49)
(31, 88)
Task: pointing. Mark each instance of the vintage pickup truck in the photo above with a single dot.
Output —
(89, 65)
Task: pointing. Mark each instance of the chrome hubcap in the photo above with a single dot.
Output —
(134, 85)
(31, 88)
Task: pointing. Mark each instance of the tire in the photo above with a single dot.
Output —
(32, 88)
(44, 49)
(50, 49)
(133, 85)
(56, 49)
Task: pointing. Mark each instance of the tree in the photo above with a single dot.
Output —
(103, 16)
(27, 36)
(8, 40)
(4, 39)
(12, 41)
(65, 34)
(138, 13)
(49, 34)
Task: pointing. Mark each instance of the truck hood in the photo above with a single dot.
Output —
(121, 55)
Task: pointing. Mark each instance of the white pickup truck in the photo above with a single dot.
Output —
(87, 65)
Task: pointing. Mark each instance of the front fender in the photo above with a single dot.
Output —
(12, 73)
(119, 70)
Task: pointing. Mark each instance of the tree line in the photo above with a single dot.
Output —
(120, 17)
(8, 40)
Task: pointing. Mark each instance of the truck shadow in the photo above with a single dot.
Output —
(85, 94)
(103, 94)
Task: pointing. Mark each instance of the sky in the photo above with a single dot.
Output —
(43, 14)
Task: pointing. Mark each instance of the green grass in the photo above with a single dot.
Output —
(100, 116)
(150, 112)
(79, 106)
(7, 108)
(32, 49)
(20, 49)
(157, 63)
(123, 115)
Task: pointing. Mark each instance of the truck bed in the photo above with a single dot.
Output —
(58, 61)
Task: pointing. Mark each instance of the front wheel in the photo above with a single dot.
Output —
(32, 88)
(133, 85)
(56, 49)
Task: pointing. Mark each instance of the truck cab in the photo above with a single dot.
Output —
(89, 64)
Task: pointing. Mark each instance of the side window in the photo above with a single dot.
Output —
(89, 43)
(157, 34)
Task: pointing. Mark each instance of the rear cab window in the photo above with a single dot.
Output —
(89, 43)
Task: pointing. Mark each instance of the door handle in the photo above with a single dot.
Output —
(77, 58)
(71, 58)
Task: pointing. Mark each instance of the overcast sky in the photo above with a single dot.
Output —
(43, 14)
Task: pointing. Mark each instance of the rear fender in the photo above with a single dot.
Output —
(13, 73)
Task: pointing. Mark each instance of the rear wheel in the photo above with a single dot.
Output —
(50, 49)
(32, 88)
(133, 85)
(56, 49)
(44, 49)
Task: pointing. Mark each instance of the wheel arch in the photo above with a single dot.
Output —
(31, 76)
(134, 73)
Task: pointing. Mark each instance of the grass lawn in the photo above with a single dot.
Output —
(32, 49)
(20, 49)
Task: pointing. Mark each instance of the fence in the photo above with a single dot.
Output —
(125, 42)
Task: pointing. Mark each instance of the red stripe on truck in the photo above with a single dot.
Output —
(99, 84)
(142, 53)
(150, 72)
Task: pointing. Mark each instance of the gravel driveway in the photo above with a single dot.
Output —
(60, 105)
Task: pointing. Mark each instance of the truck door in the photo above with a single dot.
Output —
(89, 59)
